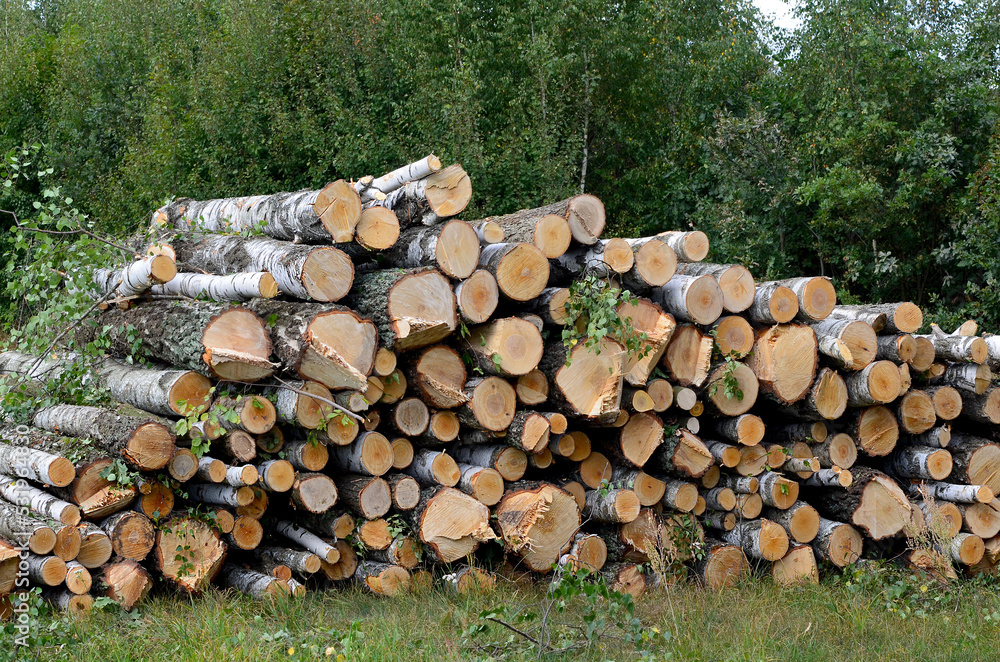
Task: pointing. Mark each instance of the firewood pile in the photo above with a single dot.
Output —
(352, 385)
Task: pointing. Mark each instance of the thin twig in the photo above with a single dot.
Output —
(514, 629)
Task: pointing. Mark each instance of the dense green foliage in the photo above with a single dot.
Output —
(863, 146)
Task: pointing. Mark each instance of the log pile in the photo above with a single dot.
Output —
(391, 394)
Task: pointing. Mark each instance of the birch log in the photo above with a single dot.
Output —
(427, 201)
(136, 278)
(330, 213)
(370, 188)
(320, 273)
(209, 287)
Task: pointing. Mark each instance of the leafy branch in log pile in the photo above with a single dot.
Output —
(730, 384)
(592, 314)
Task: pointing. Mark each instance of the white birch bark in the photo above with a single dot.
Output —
(948, 492)
(825, 478)
(911, 461)
(246, 581)
(368, 188)
(147, 389)
(603, 507)
(296, 559)
(29, 463)
(422, 467)
(308, 540)
(241, 476)
(234, 287)
(136, 278)
(217, 494)
(20, 493)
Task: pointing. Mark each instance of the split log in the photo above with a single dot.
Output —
(695, 299)
(538, 522)
(521, 270)
(784, 359)
(188, 553)
(219, 341)
(899, 317)
(688, 356)
(304, 272)
(453, 524)
(873, 503)
(585, 382)
(875, 384)
(759, 539)
(851, 344)
(773, 303)
(691, 246)
(411, 308)
(124, 581)
(735, 281)
(511, 463)
(452, 247)
(330, 213)
(426, 201)
(143, 443)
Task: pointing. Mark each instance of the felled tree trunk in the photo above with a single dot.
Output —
(760, 539)
(773, 303)
(873, 503)
(695, 299)
(450, 523)
(877, 383)
(35, 464)
(214, 339)
(452, 247)
(816, 297)
(370, 497)
(371, 188)
(507, 347)
(330, 213)
(688, 355)
(958, 349)
(589, 384)
(537, 521)
(209, 287)
(124, 581)
(659, 328)
(320, 273)
(131, 534)
(521, 270)
(784, 359)
(975, 461)
(851, 344)
(41, 503)
(325, 343)
(583, 213)
(410, 308)
(136, 278)
(427, 201)
(722, 565)
(164, 392)
(735, 281)
(145, 444)
(683, 454)
(899, 317)
(250, 582)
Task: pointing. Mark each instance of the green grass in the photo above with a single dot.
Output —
(888, 617)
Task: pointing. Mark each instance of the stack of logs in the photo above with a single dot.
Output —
(391, 392)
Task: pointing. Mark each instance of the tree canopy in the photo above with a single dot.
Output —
(863, 146)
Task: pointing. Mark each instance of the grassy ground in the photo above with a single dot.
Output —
(890, 617)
